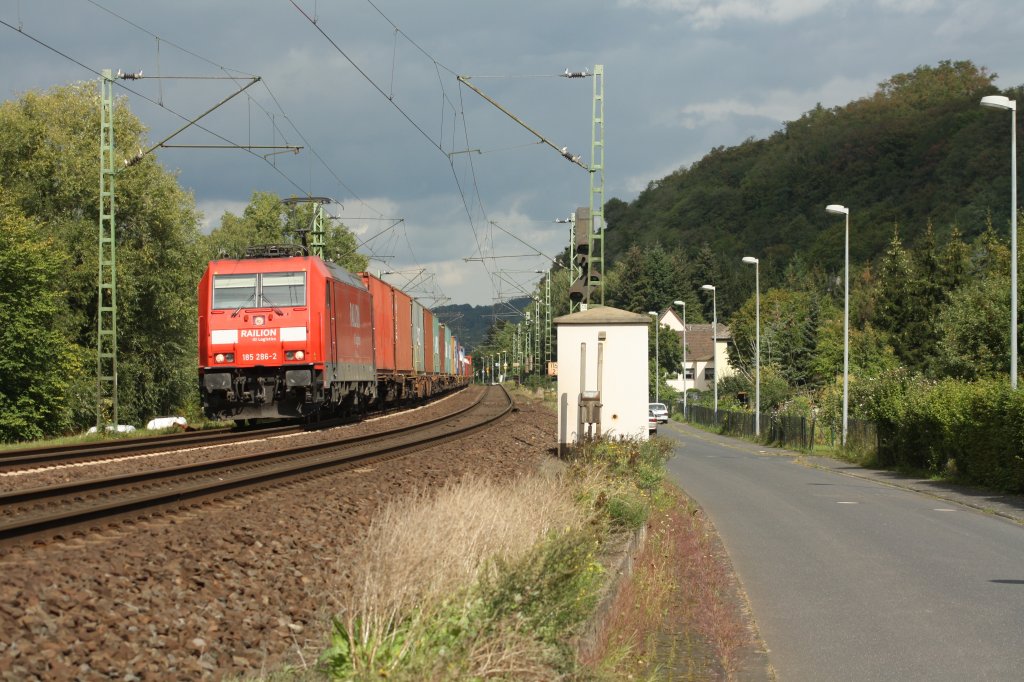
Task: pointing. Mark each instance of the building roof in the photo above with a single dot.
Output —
(670, 318)
(699, 341)
(603, 315)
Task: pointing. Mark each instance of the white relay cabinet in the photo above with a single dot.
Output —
(602, 375)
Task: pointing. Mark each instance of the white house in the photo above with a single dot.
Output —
(703, 353)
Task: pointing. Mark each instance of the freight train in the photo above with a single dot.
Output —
(286, 335)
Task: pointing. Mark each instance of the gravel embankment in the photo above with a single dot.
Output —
(226, 589)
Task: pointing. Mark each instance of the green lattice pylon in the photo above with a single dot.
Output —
(106, 309)
(597, 186)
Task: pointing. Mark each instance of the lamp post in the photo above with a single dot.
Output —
(714, 340)
(657, 369)
(750, 260)
(683, 303)
(1001, 102)
(838, 209)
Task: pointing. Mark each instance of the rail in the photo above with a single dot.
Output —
(84, 505)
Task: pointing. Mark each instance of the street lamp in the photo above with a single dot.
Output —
(838, 209)
(714, 340)
(750, 260)
(1001, 102)
(657, 369)
(683, 303)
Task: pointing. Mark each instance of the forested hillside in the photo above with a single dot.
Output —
(925, 173)
(918, 150)
(472, 322)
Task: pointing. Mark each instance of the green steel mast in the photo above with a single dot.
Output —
(597, 185)
(106, 309)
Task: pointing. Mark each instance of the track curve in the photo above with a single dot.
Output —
(86, 505)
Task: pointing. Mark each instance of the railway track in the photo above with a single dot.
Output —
(28, 458)
(63, 454)
(87, 505)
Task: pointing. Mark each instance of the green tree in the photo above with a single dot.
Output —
(870, 353)
(926, 86)
(917, 148)
(39, 361)
(955, 261)
(649, 278)
(669, 350)
(902, 305)
(268, 220)
(973, 336)
(48, 163)
(706, 270)
(789, 322)
(929, 294)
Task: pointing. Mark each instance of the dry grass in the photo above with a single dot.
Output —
(427, 546)
(423, 553)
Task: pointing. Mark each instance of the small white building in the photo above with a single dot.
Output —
(706, 350)
(602, 375)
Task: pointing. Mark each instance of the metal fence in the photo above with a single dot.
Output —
(797, 433)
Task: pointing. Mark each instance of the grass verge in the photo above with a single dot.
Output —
(680, 614)
(493, 581)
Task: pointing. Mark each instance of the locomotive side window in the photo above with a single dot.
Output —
(233, 291)
(284, 288)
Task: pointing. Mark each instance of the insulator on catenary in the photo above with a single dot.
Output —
(134, 160)
(131, 76)
(575, 74)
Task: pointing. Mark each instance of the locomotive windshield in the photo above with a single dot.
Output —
(231, 292)
(284, 288)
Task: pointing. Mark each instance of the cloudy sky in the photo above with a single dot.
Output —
(370, 91)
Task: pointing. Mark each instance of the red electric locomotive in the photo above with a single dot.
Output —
(286, 335)
(283, 335)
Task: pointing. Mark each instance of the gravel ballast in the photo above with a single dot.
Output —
(230, 588)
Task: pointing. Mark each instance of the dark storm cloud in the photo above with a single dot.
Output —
(683, 76)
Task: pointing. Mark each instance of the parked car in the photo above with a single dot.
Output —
(660, 411)
(652, 422)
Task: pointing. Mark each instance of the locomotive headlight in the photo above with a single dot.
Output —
(299, 355)
(230, 357)
(224, 357)
(219, 357)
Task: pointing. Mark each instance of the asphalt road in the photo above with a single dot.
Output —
(853, 579)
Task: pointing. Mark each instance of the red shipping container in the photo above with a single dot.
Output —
(403, 332)
(383, 321)
(350, 326)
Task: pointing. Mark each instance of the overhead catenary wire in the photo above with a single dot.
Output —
(235, 74)
(228, 142)
(436, 143)
(439, 143)
(366, 76)
(563, 151)
(152, 101)
(465, 175)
